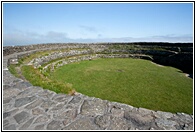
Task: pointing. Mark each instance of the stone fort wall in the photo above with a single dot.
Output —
(28, 107)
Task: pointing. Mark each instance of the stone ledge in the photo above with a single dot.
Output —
(79, 112)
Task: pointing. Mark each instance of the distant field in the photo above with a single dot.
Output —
(137, 82)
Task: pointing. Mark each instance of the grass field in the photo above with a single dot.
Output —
(137, 82)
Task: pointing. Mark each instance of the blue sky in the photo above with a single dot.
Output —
(31, 23)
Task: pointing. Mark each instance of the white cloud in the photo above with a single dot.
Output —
(25, 38)
(88, 28)
(18, 37)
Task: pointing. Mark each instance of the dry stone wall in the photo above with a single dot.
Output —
(28, 107)
(179, 55)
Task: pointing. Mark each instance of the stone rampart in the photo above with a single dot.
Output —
(179, 55)
(28, 107)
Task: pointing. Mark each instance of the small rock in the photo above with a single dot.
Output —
(75, 100)
(163, 115)
(82, 124)
(41, 119)
(21, 117)
(23, 101)
(67, 114)
(117, 112)
(37, 111)
(40, 127)
(5, 123)
(118, 124)
(144, 111)
(7, 114)
(61, 98)
(102, 121)
(27, 124)
(34, 104)
(9, 93)
(47, 104)
(93, 107)
(166, 124)
(10, 127)
(54, 125)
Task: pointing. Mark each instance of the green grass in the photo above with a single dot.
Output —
(37, 79)
(132, 81)
(12, 69)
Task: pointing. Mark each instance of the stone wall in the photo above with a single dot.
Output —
(179, 55)
(28, 107)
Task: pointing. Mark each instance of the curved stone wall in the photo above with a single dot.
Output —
(179, 55)
(27, 107)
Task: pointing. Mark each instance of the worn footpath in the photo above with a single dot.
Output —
(28, 107)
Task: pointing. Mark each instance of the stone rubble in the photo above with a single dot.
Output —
(27, 107)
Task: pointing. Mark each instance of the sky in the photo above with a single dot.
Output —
(35, 23)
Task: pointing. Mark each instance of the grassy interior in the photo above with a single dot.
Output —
(137, 82)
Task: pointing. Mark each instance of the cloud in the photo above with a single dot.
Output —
(56, 35)
(18, 37)
(99, 35)
(88, 28)
(24, 38)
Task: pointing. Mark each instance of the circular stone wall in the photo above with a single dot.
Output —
(43, 109)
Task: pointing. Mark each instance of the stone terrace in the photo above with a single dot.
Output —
(28, 107)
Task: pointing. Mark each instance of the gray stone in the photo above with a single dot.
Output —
(6, 100)
(7, 114)
(5, 123)
(75, 100)
(144, 111)
(37, 111)
(116, 112)
(93, 107)
(9, 93)
(41, 119)
(46, 94)
(103, 121)
(22, 85)
(40, 127)
(139, 120)
(7, 107)
(54, 125)
(21, 117)
(66, 114)
(30, 91)
(184, 117)
(10, 127)
(7, 87)
(61, 98)
(27, 124)
(47, 104)
(121, 106)
(34, 104)
(118, 124)
(82, 124)
(16, 80)
(57, 108)
(188, 126)
(66, 121)
(24, 101)
(166, 124)
(164, 115)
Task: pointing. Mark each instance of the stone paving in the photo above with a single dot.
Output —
(27, 107)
